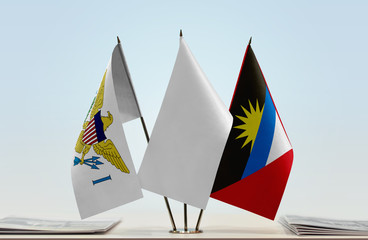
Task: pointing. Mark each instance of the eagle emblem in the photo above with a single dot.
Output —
(93, 135)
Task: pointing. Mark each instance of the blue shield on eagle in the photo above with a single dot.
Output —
(93, 135)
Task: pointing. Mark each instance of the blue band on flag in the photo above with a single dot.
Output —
(262, 145)
(99, 127)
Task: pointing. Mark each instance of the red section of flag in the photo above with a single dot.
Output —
(89, 136)
(262, 191)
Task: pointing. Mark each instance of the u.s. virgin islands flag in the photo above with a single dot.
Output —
(257, 159)
(103, 173)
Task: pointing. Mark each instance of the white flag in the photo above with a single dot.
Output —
(103, 173)
(188, 138)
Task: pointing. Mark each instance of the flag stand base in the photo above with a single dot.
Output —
(186, 230)
(182, 231)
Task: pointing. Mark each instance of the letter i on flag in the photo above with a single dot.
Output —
(188, 138)
(103, 174)
(257, 159)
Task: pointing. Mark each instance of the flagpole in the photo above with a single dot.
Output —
(199, 220)
(146, 133)
(185, 205)
(185, 218)
(165, 198)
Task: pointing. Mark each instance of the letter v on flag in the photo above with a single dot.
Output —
(258, 155)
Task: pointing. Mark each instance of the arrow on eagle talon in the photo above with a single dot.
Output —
(93, 166)
(92, 162)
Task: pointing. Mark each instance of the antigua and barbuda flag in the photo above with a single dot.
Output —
(103, 173)
(188, 138)
(257, 159)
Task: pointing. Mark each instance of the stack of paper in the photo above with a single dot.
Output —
(43, 226)
(322, 226)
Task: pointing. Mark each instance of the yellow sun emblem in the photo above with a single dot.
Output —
(251, 123)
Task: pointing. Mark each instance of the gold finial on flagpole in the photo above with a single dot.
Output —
(181, 33)
(118, 39)
(250, 41)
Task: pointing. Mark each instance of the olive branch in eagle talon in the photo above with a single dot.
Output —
(101, 145)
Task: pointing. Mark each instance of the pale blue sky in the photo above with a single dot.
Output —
(313, 55)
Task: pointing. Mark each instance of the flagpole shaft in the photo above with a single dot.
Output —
(145, 129)
(165, 198)
(199, 220)
(185, 218)
(170, 213)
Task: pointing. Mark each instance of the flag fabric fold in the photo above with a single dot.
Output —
(103, 173)
(258, 156)
(188, 137)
